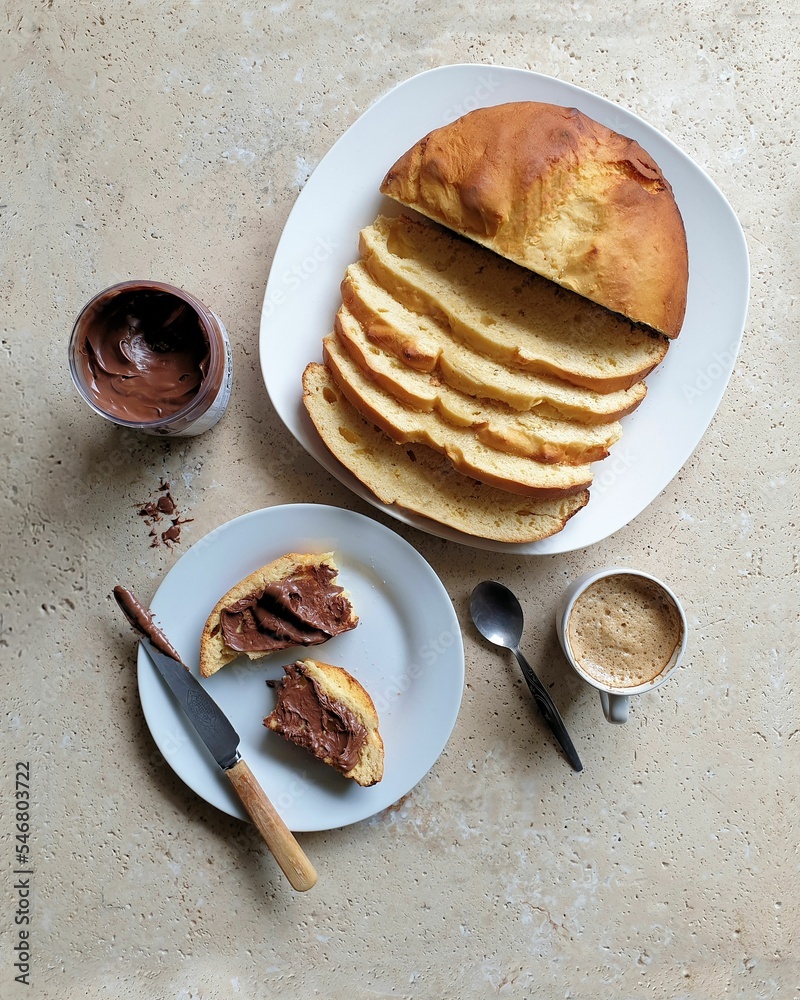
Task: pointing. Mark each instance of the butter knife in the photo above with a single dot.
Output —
(221, 739)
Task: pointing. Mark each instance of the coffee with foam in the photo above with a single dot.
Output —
(623, 630)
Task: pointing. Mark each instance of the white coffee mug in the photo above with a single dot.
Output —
(615, 700)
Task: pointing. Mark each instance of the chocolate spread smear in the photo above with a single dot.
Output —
(307, 716)
(142, 621)
(302, 610)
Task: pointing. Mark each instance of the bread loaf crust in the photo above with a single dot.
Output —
(422, 481)
(426, 346)
(562, 195)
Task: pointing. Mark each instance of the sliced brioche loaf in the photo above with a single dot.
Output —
(494, 424)
(420, 480)
(505, 311)
(561, 194)
(506, 471)
(336, 720)
(425, 345)
(335, 604)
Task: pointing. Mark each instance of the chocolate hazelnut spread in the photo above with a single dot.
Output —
(147, 355)
(303, 610)
(309, 717)
(142, 621)
(144, 354)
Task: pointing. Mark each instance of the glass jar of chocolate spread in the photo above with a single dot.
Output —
(147, 355)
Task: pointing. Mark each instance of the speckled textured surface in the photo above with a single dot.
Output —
(170, 140)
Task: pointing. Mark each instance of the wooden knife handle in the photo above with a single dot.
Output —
(277, 835)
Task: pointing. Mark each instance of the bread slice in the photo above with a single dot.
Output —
(494, 424)
(422, 481)
(562, 195)
(505, 311)
(425, 345)
(324, 709)
(505, 471)
(296, 625)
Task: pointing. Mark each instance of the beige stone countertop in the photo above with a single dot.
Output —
(170, 140)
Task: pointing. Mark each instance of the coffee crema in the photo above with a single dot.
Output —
(623, 630)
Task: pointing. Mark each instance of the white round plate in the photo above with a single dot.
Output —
(342, 196)
(406, 651)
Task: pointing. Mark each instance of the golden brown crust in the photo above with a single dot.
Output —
(425, 346)
(502, 470)
(562, 195)
(422, 481)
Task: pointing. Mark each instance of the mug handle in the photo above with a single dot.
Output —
(615, 707)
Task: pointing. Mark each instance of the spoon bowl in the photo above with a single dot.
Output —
(497, 614)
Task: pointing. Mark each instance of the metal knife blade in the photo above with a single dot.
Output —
(201, 710)
(222, 740)
(208, 719)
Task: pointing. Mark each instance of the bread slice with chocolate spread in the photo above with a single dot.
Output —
(295, 600)
(325, 710)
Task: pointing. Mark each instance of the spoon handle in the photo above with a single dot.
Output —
(549, 711)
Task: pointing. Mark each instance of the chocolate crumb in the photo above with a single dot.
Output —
(154, 510)
(173, 533)
(166, 504)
